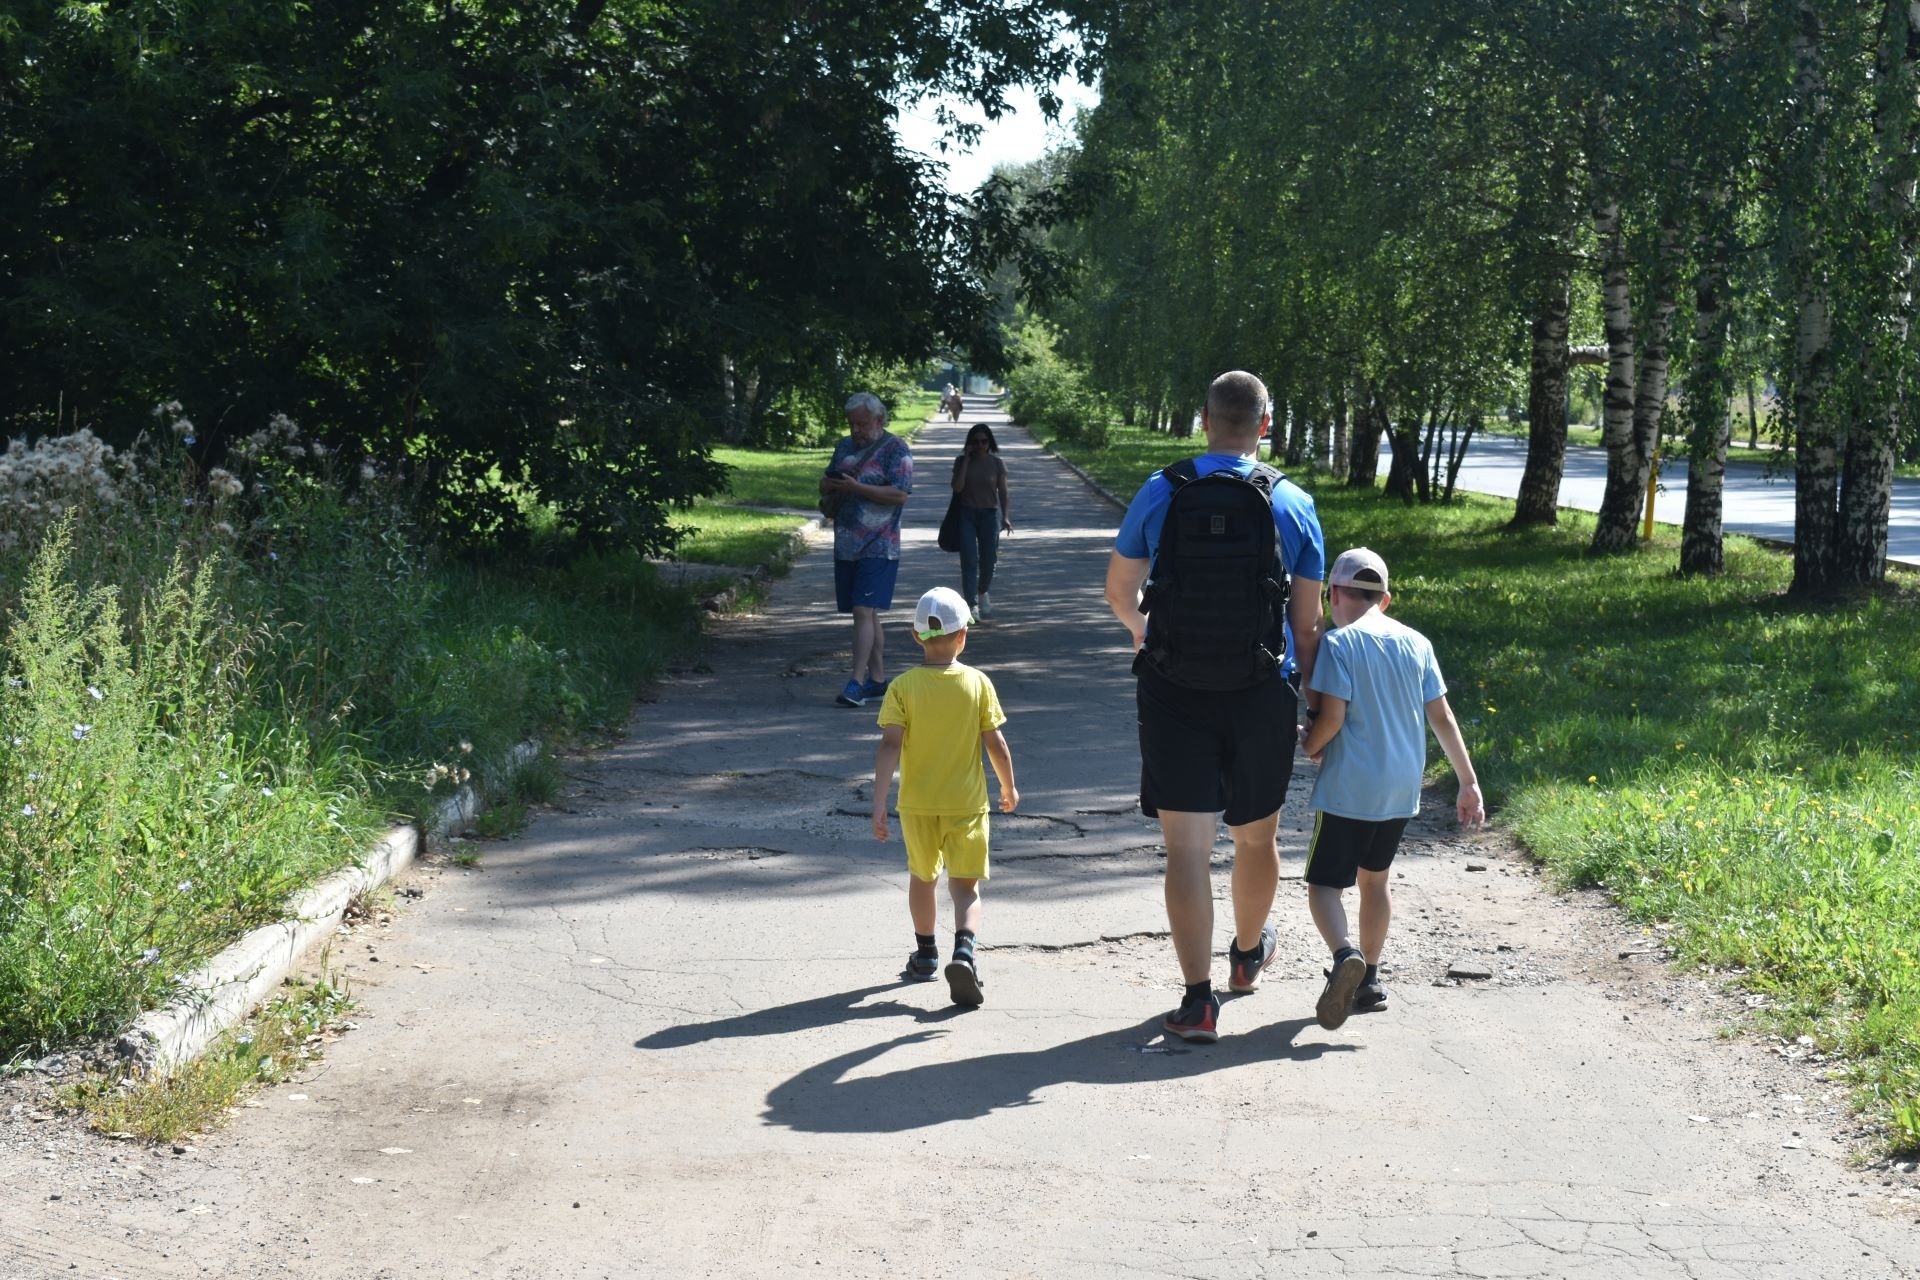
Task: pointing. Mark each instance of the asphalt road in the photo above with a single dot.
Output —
(1757, 504)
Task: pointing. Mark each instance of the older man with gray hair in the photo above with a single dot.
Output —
(864, 489)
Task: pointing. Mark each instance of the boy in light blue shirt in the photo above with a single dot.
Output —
(1380, 689)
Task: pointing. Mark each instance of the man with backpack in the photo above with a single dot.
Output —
(1216, 573)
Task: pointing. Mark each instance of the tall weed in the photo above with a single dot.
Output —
(139, 833)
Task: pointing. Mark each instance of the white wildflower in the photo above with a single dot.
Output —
(185, 886)
(267, 792)
(95, 694)
(26, 811)
(224, 529)
(80, 732)
(147, 957)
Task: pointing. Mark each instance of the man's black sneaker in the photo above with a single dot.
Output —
(1336, 1001)
(1371, 997)
(963, 981)
(1195, 1020)
(1244, 967)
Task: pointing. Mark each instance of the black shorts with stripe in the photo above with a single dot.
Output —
(1342, 847)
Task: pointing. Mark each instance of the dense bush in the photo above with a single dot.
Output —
(1047, 391)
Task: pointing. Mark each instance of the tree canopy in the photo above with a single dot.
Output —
(1403, 212)
(557, 246)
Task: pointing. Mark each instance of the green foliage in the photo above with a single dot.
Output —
(1051, 394)
(550, 248)
(142, 830)
(171, 773)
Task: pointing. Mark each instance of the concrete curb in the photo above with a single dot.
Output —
(466, 804)
(220, 993)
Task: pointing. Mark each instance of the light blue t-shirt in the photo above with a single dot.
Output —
(1303, 547)
(1387, 674)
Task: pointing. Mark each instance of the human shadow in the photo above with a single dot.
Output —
(822, 1100)
(802, 1015)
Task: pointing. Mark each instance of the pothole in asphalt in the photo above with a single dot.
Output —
(747, 853)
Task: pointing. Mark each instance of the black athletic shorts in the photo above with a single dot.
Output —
(1341, 846)
(1203, 750)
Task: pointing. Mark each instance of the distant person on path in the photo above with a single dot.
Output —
(1380, 688)
(980, 479)
(952, 402)
(1215, 694)
(865, 486)
(934, 723)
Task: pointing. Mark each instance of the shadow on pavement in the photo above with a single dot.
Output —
(821, 1100)
(804, 1015)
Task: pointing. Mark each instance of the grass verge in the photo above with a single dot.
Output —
(279, 1040)
(730, 531)
(1721, 758)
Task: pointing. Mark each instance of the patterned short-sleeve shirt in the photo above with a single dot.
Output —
(865, 530)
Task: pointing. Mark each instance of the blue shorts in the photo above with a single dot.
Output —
(865, 583)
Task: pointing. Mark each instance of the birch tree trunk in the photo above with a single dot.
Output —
(1620, 501)
(1341, 439)
(1296, 435)
(1539, 498)
(1708, 402)
(1866, 493)
(1363, 466)
(1816, 437)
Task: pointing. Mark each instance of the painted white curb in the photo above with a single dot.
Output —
(459, 810)
(224, 990)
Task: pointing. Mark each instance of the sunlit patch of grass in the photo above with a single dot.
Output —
(735, 535)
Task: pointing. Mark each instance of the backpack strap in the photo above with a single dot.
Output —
(1181, 473)
(1265, 478)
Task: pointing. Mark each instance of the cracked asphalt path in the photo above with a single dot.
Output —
(661, 1034)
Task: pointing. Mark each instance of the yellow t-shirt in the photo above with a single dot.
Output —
(944, 711)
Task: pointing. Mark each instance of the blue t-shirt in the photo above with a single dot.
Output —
(1387, 674)
(1303, 548)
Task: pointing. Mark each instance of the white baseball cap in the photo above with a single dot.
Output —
(1360, 569)
(941, 612)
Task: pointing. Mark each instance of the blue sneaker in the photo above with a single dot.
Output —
(874, 688)
(854, 695)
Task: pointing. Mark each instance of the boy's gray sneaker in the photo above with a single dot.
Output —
(963, 981)
(1371, 997)
(1343, 980)
(921, 968)
(985, 605)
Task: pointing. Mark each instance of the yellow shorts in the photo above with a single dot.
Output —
(959, 840)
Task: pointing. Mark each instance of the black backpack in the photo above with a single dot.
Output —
(1216, 596)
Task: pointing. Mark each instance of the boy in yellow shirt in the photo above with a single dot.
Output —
(934, 722)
